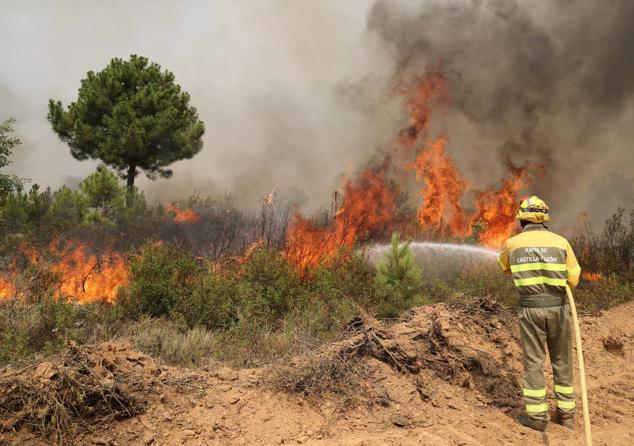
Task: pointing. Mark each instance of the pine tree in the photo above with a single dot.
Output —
(398, 278)
(131, 116)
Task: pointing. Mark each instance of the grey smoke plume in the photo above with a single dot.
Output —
(548, 82)
(296, 94)
(273, 81)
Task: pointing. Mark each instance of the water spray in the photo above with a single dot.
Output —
(447, 247)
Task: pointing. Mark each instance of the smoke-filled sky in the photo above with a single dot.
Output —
(295, 94)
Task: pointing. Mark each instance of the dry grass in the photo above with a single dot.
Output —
(163, 339)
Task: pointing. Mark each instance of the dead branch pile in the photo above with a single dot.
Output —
(340, 381)
(82, 386)
(465, 345)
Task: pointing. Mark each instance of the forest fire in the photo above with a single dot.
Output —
(368, 203)
(420, 101)
(7, 289)
(367, 207)
(443, 189)
(268, 200)
(183, 215)
(76, 274)
(497, 208)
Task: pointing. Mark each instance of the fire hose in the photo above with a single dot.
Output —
(582, 371)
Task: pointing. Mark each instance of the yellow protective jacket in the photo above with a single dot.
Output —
(541, 263)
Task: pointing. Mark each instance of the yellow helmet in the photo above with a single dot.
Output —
(533, 209)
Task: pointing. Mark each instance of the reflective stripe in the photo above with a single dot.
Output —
(575, 270)
(534, 408)
(501, 263)
(541, 280)
(566, 405)
(539, 265)
(537, 393)
(564, 389)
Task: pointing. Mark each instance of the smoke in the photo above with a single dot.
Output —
(296, 94)
(292, 94)
(547, 82)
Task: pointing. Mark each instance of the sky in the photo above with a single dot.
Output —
(268, 79)
(297, 94)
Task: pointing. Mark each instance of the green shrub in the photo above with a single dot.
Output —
(397, 280)
(216, 301)
(346, 277)
(162, 278)
(319, 320)
(252, 343)
(21, 213)
(275, 286)
(603, 294)
(101, 190)
(67, 210)
(469, 284)
(31, 330)
(264, 288)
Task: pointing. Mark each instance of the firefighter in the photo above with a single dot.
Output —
(542, 263)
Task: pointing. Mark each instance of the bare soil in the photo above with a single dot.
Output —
(449, 375)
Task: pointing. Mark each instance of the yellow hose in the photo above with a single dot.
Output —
(582, 370)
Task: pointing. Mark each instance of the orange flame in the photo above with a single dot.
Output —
(183, 215)
(254, 246)
(368, 202)
(592, 276)
(84, 277)
(268, 201)
(9, 278)
(444, 187)
(7, 289)
(367, 207)
(497, 208)
(420, 101)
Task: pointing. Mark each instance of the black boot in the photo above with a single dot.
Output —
(538, 425)
(565, 419)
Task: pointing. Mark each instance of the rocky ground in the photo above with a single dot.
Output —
(448, 375)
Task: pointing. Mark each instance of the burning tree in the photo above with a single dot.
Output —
(131, 116)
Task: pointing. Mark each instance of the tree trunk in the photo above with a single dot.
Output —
(130, 183)
(131, 175)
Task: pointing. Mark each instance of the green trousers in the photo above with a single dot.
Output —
(540, 327)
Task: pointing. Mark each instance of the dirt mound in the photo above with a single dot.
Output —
(450, 374)
(460, 344)
(81, 386)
